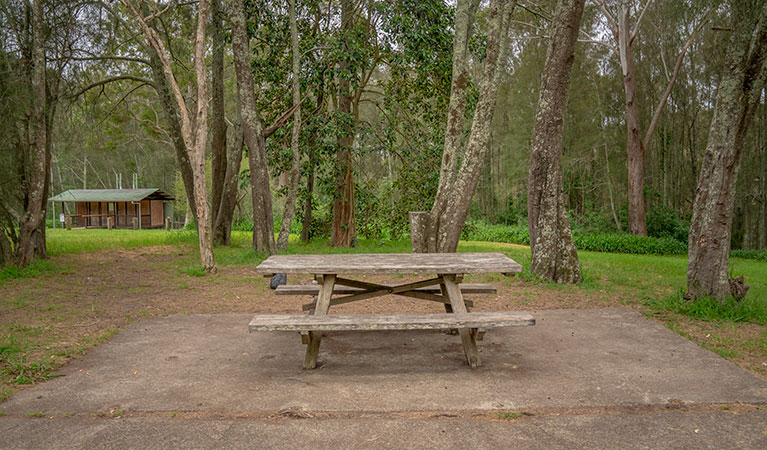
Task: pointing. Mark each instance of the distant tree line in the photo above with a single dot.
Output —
(341, 118)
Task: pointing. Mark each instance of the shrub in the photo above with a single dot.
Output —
(758, 255)
(627, 243)
(483, 231)
(596, 242)
(664, 222)
(244, 224)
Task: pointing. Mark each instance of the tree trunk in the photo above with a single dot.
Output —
(173, 121)
(343, 232)
(456, 121)
(634, 145)
(218, 124)
(222, 227)
(253, 130)
(194, 130)
(554, 256)
(306, 223)
(290, 201)
(737, 97)
(35, 179)
(446, 230)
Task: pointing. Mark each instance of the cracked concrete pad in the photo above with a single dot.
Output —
(702, 430)
(570, 359)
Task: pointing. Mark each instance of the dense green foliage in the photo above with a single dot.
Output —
(596, 242)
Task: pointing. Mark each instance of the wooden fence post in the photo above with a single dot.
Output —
(68, 222)
(110, 222)
(135, 223)
(167, 224)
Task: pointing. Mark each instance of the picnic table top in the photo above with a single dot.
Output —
(390, 263)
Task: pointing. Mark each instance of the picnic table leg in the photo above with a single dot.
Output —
(458, 306)
(321, 308)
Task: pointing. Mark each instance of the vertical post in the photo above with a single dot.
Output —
(139, 214)
(110, 222)
(135, 223)
(321, 308)
(68, 222)
(53, 213)
(167, 224)
(450, 283)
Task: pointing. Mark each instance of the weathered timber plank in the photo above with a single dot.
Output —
(320, 310)
(313, 289)
(279, 322)
(419, 295)
(450, 287)
(390, 263)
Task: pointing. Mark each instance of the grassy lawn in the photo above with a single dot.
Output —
(98, 281)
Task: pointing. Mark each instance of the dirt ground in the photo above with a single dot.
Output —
(63, 314)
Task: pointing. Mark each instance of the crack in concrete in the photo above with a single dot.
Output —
(501, 415)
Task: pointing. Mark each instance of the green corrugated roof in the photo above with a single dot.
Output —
(105, 195)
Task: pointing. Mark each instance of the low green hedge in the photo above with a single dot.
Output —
(628, 243)
(759, 255)
(595, 242)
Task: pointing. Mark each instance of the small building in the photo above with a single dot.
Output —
(93, 207)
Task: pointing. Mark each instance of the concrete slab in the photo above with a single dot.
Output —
(705, 430)
(570, 359)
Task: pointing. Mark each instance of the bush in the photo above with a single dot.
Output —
(595, 242)
(758, 255)
(664, 222)
(244, 224)
(627, 243)
(483, 231)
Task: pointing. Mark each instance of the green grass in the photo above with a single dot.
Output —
(63, 242)
(650, 279)
(750, 309)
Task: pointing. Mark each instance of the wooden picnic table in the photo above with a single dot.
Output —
(447, 270)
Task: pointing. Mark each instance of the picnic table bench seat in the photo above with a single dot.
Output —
(339, 322)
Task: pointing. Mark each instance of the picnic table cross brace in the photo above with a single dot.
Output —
(450, 292)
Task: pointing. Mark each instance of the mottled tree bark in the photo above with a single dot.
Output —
(554, 256)
(253, 131)
(636, 145)
(343, 232)
(635, 148)
(456, 121)
(290, 201)
(230, 189)
(306, 221)
(35, 169)
(737, 98)
(446, 222)
(173, 121)
(193, 130)
(218, 125)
